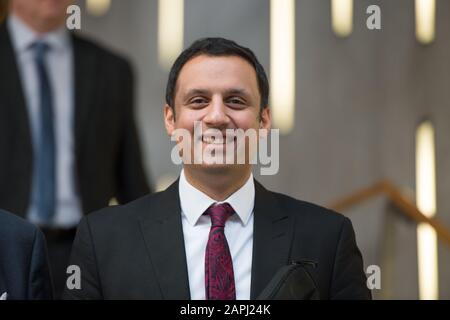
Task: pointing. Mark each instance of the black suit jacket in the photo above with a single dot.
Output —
(24, 271)
(137, 251)
(107, 152)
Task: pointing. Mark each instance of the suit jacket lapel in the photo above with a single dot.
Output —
(163, 234)
(272, 238)
(85, 85)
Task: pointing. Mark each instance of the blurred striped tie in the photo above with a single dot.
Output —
(45, 151)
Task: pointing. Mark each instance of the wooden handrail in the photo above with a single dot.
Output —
(402, 202)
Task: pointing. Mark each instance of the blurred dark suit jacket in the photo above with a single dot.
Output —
(24, 271)
(107, 151)
(136, 251)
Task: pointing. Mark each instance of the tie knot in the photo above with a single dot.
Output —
(219, 213)
(40, 48)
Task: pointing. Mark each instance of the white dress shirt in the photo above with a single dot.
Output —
(59, 62)
(238, 231)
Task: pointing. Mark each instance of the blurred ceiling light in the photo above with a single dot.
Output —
(282, 63)
(98, 7)
(342, 17)
(425, 20)
(170, 31)
(426, 202)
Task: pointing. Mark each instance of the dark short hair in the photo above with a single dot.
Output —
(216, 47)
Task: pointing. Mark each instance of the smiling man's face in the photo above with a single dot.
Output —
(220, 92)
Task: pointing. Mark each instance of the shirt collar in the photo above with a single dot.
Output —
(23, 36)
(194, 202)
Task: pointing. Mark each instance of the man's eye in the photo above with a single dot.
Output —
(198, 101)
(235, 101)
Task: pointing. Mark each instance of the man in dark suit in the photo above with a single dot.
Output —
(24, 271)
(67, 131)
(216, 233)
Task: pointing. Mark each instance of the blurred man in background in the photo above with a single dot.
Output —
(68, 140)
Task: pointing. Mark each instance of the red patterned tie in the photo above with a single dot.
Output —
(219, 276)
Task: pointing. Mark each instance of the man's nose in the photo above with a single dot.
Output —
(217, 114)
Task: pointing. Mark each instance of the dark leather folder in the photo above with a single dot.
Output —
(292, 282)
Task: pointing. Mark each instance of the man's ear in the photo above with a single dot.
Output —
(169, 119)
(265, 121)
